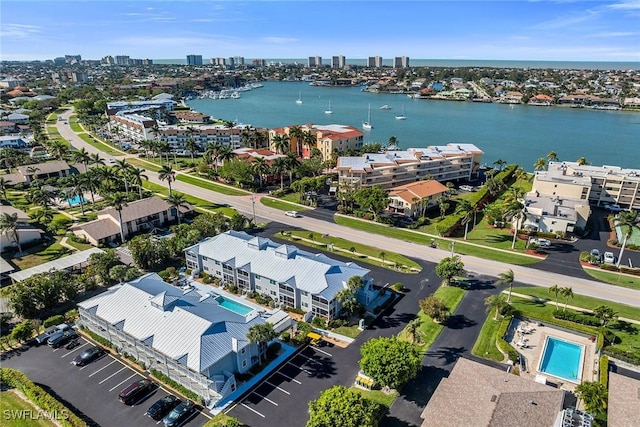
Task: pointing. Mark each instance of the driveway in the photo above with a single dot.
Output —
(90, 391)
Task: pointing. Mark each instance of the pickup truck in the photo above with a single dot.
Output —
(43, 337)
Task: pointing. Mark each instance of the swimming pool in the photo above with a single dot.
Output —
(234, 306)
(75, 200)
(562, 359)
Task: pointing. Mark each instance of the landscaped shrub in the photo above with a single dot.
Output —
(295, 310)
(285, 336)
(502, 344)
(97, 338)
(319, 322)
(71, 315)
(572, 316)
(629, 270)
(398, 286)
(626, 356)
(176, 386)
(608, 267)
(273, 350)
(53, 321)
(39, 397)
(604, 370)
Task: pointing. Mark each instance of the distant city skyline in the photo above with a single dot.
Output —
(491, 30)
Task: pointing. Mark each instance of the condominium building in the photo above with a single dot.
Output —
(329, 139)
(122, 59)
(177, 136)
(598, 184)
(451, 162)
(115, 106)
(220, 62)
(338, 61)
(194, 59)
(554, 214)
(374, 62)
(314, 61)
(291, 276)
(401, 62)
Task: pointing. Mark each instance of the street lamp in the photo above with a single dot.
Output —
(253, 206)
(452, 246)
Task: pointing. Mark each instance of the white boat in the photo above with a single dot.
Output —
(367, 124)
(299, 100)
(235, 95)
(328, 111)
(401, 116)
(385, 107)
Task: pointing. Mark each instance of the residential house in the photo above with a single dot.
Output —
(291, 276)
(77, 261)
(7, 126)
(541, 100)
(415, 198)
(17, 118)
(329, 139)
(46, 170)
(624, 400)
(554, 214)
(26, 233)
(9, 141)
(140, 216)
(190, 336)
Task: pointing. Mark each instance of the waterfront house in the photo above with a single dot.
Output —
(415, 198)
(554, 214)
(188, 335)
(139, 216)
(291, 276)
(329, 139)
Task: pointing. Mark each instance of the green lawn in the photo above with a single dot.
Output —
(195, 201)
(612, 278)
(147, 165)
(429, 330)
(11, 403)
(100, 145)
(460, 246)
(213, 186)
(282, 205)
(75, 127)
(79, 246)
(320, 241)
(378, 396)
(348, 331)
(501, 238)
(41, 253)
(485, 345)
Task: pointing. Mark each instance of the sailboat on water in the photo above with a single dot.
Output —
(299, 100)
(329, 111)
(367, 124)
(401, 116)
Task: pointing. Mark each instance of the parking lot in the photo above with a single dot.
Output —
(277, 400)
(92, 390)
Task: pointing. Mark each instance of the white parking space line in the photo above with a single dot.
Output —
(288, 377)
(112, 375)
(74, 350)
(120, 383)
(252, 410)
(279, 388)
(265, 398)
(299, 367)
(106, 366)
(321, 351)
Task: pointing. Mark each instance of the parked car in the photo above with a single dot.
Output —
(596, 254)
(609, 258)
(162, 407)
(179, 414)
(135, 391)
(88, 356)
(43, 337)
(466, 188)
(543, 243)
(292, 214)
(58, 339)
(613, 208)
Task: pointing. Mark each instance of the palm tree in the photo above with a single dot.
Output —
(260, 167)
(225, 153)
(594, 396)
(514, 211)
(211, 153)
(442, 203)
(413, 329)
(466, 209)
(137, 175)
(95, 159)
(555, 289)
(567, 293)
(582, 161)
(520, 174)
(43, 215)
(177, 201)
(297, 135)
(540, 164)
(500, 164)
(77, 183)
(292, 165)
(552, 156)
(279, 167)
(167, 174)
(82, 156)
(281, 143)
(382, 256)
(9, 224)
(605, 314)
(122, 169)
(507, 278)
(261, 334)
(627, 221)
(192, 146)
(118, 201)
(310, 139)
(497, 302)
(4, 185)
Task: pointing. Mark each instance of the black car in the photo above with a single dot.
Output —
(135, 391)
(58, 339)
(161, 408)
(88, 356)
(178, 414)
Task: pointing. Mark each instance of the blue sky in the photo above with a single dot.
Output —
(562, 30)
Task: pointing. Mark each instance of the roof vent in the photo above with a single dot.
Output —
(494, 398)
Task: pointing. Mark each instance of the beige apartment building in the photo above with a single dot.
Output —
(599, 185)
(451, 162)
(328, 139)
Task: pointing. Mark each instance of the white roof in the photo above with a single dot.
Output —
(313, 273)
(57, 264)
(189, 327)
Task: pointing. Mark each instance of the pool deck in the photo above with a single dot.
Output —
(532, 352)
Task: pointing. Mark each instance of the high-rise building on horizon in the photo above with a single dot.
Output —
(374, 62)
(59, 60)
(401, 62)
(314, 61)
(338, 61)
(72, 59)
(194, 59)
(122, 59)
(219, 62)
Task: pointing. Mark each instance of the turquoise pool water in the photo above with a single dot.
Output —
(76, 200)
(234, 306)
(562, 359)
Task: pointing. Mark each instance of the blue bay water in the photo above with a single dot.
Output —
(519, 135)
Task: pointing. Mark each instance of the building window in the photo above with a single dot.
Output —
(258, 288)
(244, 363)
(243, 350)
(272, 282)
(258, 277)
(217, 262)
(273, 293)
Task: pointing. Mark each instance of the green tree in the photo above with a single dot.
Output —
(497, 302)
(540, 164)
(101, 263)
(555, 290)
(82, 156)
(390, 361)
(279, 167)
(373, 199)
(449, 267)
(10, 225)
(627, 221)
(435, 308)
(119, 201)
(261, 334)
(605, 314)
(167, 174)
(413, 329)
(467, 210)
(344, 407)
(552, 156)
(22, 331)
(177, 201)
(507, 278)
(567, 293)
(594, 396)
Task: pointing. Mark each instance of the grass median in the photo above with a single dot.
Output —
(282, 205)
(198, 203)
(213, 186)
(617, 279)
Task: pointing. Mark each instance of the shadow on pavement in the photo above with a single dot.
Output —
(460, 321)
(68, 404)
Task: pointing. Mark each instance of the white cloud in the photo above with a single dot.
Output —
(19, 31)
(613, 34)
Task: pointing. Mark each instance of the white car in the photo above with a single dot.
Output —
(292, 214)
(111, 161)
(609, 258)
(543, 243)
